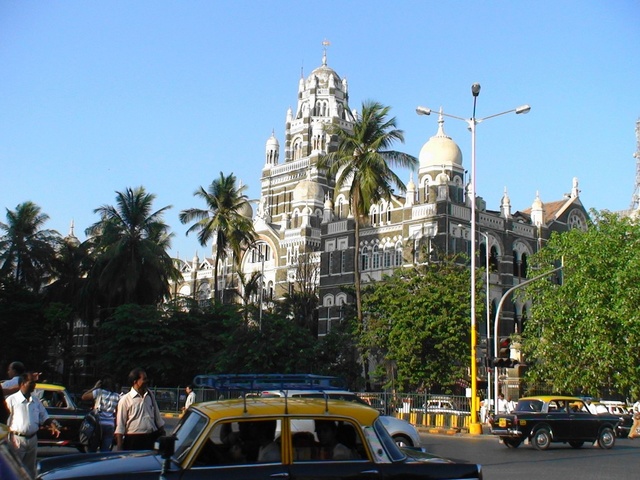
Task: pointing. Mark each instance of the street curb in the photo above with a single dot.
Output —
(450, 431)
(171, 415)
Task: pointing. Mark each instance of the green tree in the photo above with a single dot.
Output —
(362, 163)
(225, 220)
(71, 268)
(130, 244)
(581, 335)
(21, 323)
(27, 250)
(417, 320)
(172, 343)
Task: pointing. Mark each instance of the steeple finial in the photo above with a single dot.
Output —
(325, 44)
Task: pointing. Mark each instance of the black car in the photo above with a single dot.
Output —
(545, 419)
(226, 440)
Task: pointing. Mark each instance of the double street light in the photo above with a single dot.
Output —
(475, 427)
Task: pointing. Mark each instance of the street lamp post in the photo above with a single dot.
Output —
(475, 428)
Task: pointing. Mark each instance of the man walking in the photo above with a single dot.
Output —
(138, 419)
(26, 415)
(191, 397)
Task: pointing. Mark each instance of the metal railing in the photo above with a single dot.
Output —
(428, 410)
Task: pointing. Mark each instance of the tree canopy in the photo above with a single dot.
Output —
(225, 220)
(130, 243)
(27, 249)
(417, 323)
(582, 335)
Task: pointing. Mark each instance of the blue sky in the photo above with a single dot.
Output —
(96, 97)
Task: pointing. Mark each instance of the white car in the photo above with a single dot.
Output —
(400, 430)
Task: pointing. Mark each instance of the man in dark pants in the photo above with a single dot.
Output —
(26, 415)
(138, 419)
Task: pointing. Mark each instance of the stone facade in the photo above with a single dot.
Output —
(300, 220)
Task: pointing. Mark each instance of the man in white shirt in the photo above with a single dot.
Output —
(26, 415)
(501, 404)
(14, 371)
(191, 397)
(138, 419)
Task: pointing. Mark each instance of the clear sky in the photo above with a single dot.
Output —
(96, 96)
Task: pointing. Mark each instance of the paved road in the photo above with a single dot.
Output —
(525, 463)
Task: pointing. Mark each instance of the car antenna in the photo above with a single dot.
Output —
(286, 401)
(244, 400)
(326, 402)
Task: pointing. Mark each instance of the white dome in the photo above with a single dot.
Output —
(246, 210)
(440, 150)
(308, 190)
(272, 143)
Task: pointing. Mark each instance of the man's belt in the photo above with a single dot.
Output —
(25, 436)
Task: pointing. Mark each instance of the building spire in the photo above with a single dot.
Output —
(325, 44)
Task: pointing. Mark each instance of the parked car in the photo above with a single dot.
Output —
(626, 417)
(11, 467)
(442, 405)
(214, 440)
(61, 407)
(553, 418)
(400, 430)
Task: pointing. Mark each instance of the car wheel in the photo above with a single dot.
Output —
(576, 444)
(512, 442)
(403, 440)
(607, 438)
(541, 439)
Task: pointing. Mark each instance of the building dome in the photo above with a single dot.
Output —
(308, 189)
(272, 143)
(440, 150)
(246, 210)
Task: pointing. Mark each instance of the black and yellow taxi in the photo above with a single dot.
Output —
(61, 407)
(546, 419)
(254, 437)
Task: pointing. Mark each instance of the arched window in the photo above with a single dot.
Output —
(493, 259)
(398, 260)
(483, 254)
(376, 257)
(364, 259)
(524, 265)
(387, 256)
(327, 301)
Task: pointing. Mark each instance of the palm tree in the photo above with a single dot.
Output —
(130, 244)
(224, 220)
(361, 163)
(27, 250)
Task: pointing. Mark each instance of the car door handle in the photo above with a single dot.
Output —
(370, 472)
(280, 475)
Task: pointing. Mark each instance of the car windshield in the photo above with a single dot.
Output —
(187, 431)
(387, 442)
(529, 406)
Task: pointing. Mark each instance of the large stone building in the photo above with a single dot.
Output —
(302, 222)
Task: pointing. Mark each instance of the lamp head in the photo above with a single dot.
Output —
(475, 89)
(523, 109)
(423, 111)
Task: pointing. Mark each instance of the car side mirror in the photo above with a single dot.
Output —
(165, 446)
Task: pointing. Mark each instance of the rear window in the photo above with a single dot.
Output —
(529, 406)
